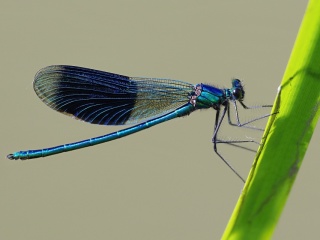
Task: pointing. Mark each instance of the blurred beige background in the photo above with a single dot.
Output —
(163, 183)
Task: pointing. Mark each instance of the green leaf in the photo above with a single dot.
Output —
(285, 140)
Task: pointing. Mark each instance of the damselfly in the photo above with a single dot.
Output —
(110, 99)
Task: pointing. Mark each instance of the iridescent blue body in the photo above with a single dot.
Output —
(110, 99)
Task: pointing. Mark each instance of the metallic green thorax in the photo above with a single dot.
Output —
(206, 96)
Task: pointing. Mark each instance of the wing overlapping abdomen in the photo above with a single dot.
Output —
(106, 98)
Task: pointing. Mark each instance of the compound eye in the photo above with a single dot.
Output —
(237, 93)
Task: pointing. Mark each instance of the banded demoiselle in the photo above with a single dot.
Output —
(111, 99)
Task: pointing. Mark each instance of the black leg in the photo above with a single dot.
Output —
(217, 125)
(238, 123)
(235, 143)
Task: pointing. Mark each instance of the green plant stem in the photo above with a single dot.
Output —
(286, 138)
